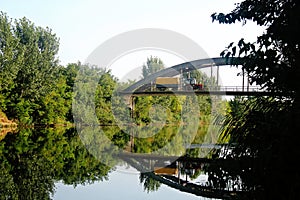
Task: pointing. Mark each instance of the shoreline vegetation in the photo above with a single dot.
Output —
(6, 125)
(5, 122)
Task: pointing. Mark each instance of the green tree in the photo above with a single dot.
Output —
(55, 107)
(273, 60)
(153, 64)
(10, 60)
(150, 184)
(103, 97)
(70, 72)
(29, 66)
(39, 47)
(265, 130)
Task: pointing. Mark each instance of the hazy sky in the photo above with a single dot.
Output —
(84, 25)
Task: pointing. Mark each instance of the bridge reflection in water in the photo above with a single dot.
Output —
(181, 174)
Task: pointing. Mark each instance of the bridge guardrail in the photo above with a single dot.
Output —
(236, 88)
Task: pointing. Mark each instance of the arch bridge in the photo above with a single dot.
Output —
(138, 88)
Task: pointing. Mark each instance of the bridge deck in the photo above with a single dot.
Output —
(200, 92)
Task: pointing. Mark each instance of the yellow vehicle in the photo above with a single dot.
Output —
(174, 83)
(167, 82)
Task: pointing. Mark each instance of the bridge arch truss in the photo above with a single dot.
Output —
(186, 67)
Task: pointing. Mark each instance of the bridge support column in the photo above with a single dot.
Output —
(211, 75)
(132, 128)
(218, 75)
(130, 105)
(243, 84)
(247, 83)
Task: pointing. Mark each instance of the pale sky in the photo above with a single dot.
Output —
(122, 184)
(83, 25)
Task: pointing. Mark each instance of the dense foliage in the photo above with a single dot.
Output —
(33, 160)
(263, 132)
(153, 64)
(273, 60)
(33, 87)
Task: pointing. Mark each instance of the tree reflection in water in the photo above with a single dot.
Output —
(32, 160)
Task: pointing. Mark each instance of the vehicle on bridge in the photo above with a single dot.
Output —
(162, 83)
(177, 83)
(192, 82)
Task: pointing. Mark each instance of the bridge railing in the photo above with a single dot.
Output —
(236, 88)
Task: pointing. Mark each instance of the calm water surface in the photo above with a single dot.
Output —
(123, 183)
(54, 164)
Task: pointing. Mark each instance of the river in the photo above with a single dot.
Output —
(53, 163)
(123, 183)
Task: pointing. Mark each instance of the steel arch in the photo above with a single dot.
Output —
(192, 65)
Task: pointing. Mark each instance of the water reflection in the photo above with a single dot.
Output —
(123, 183)
(35, 161)
(183, 175)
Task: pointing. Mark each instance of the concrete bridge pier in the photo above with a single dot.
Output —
(129, 100)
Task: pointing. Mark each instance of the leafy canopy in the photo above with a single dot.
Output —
(273, 60)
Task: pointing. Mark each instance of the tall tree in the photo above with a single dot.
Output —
(266, 131)
(273, 61)
(39, 47)
(153, 64)
(10, 59)
(28, 65)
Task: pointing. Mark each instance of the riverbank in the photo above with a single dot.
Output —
(6, 125)
(5, 122)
